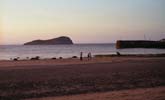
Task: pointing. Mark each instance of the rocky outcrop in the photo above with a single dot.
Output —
(55, 41)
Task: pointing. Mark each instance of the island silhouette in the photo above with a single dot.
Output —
(54, 41)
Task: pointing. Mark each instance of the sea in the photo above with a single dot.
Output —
(8, 52)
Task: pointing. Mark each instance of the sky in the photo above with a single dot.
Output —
(85, 21)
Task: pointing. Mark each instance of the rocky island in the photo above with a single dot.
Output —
(55, 41)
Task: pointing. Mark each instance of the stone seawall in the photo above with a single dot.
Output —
(139, 44)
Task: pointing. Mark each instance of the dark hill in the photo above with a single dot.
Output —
(55, 41)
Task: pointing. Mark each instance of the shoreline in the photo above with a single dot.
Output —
(94, 56)
(76, 61)
(132, 55)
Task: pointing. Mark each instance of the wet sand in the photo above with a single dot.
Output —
(49, 78)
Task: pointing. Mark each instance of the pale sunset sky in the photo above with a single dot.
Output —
(85, 21)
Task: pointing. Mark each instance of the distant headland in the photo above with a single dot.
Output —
(54, 41)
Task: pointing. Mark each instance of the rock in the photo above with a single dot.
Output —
(15, 59)
(74, 57)
(54, 58)
(35, 58)
(60, 57)
(55, 41)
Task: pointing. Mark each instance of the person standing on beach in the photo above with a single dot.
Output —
(81, 56)
(89, 56)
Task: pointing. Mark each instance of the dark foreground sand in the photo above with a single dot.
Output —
(132, 94)
(49, 78)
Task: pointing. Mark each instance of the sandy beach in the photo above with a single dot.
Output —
(109, 75)
(132, 94)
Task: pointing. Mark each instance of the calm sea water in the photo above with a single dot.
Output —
(66, 51)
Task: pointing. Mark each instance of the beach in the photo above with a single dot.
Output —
(133, 94)
(102, 76)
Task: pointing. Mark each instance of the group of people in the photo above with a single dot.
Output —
(89, 56)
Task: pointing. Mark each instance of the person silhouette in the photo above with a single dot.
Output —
(81, 56)
(89, 56)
